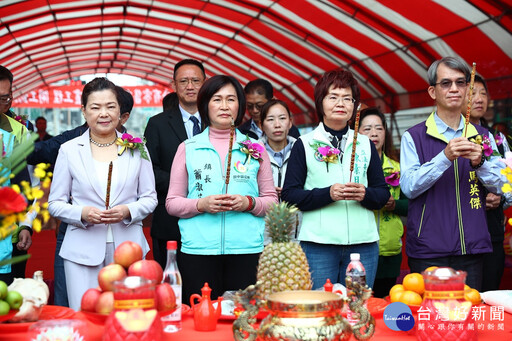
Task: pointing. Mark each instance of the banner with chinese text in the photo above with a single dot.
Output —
(68, 96)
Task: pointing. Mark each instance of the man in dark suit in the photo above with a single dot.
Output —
(164, 133)
(257, 93)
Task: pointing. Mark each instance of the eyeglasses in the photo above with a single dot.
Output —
(347, 100)
(257, 106)
(183, 83)
(5, 99)
(447, 83)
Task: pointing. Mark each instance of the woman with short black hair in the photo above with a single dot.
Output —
(336, 203)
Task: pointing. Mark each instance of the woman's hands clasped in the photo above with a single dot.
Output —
(348, 191)
(222, 203)
(94, 215)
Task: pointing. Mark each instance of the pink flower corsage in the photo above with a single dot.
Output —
(127, 141)
(393, 179)
(325, 153)
(21, 119)
(486, 145)
(498, 139)
(252, 149)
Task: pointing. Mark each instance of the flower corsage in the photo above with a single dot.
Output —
(392, 179)
(325, 153)
(127, 141)
(498, 139)
(22, 119)
(486, 146)
(252, 149)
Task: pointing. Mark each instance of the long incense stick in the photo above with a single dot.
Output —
(353, 156)
(471, 86)
(109, 182)
(230, 152)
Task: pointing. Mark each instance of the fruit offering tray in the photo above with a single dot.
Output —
(49, 312)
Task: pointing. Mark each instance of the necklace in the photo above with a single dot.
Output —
(101, 145)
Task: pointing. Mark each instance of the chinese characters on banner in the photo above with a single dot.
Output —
(68, 96)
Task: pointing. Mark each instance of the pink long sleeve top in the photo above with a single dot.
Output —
(177, 203)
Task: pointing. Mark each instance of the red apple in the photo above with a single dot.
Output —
(149, 269)
(127, 253)
(89, 299)
(109, 274)
(165, 297)
(105, 303)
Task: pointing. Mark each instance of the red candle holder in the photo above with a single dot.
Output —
(135, 316)
(445, 313)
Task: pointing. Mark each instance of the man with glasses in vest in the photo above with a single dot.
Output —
(443, 174)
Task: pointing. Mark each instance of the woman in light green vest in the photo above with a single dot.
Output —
(389, 224)
(220, 188)
(337, 203)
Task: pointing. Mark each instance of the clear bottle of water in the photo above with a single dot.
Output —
(172, 323)
(355, 270)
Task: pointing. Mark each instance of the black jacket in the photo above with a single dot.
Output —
(164, 133)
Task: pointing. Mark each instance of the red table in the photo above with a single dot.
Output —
(224, 331)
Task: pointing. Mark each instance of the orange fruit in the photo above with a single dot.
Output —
(473, 296)
(395, 297)
(410, 298)
(414, 282)
(466, 287)
(431, 268)
(396, 288)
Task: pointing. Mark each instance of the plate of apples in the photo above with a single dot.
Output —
(128, 269)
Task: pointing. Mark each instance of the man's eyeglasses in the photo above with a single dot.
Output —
(252, 106)
(447, 84)
(5, 99)
(183, 83)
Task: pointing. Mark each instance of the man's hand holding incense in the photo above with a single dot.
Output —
(462, 147)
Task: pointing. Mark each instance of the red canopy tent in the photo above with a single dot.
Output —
(387, 44)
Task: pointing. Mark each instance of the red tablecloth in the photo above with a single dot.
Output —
(224, 331)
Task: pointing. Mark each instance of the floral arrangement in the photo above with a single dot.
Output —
(14, 202)
(507, 171)
(325, 153)
(507, 189)
(252, 149)
(14, 199)
(486, 145)
(127, 141)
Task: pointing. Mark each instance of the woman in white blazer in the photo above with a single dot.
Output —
(79, 190)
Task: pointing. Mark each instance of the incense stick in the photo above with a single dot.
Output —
(109, 181)
(230, 152)
(471, 86)
(354, 143)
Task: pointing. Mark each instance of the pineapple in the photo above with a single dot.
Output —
(282, 264)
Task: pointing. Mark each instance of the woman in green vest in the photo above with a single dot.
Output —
(389, 224)
(220, 188)
(337, 203)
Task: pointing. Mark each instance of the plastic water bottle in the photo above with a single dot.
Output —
(355, 270)
(172, 323)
